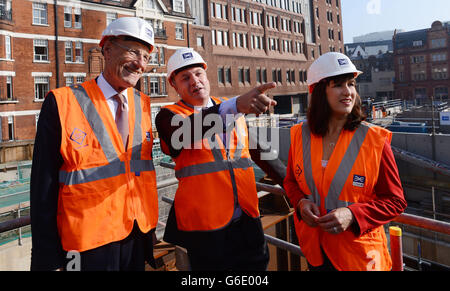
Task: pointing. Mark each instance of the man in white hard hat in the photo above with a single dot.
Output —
(93, 185)
(215, 214)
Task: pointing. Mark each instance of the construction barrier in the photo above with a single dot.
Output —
(395, 234)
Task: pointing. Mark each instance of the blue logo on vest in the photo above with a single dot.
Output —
(79, 137)
(148, 135)
(359, 181)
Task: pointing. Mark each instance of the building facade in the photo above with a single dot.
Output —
(250, 42)
(421, 61)
(43, 46)
(376, 60)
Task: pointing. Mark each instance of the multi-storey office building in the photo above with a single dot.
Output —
(250, 42)
(43, 46)
(421, 61)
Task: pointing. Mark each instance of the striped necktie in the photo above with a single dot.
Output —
(122, 118)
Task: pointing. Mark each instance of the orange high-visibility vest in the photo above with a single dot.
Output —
(213, 180)
(350, 177)
(104, 187)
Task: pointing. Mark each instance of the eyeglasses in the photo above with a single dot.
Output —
(135, 54)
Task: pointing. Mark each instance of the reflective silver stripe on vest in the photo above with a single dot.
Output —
(115, 166)
(95, 122)
(337, 184)
(137, 134)
(307, 165)
(212, 167)
(93, 174)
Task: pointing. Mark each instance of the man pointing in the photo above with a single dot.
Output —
(215, 214)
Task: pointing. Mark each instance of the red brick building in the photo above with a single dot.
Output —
(421, 61)
(42, 48)
(245, 43)
(250, 42)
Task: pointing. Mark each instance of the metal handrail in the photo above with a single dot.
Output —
(408, 219)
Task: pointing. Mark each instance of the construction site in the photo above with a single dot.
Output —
(420, 145)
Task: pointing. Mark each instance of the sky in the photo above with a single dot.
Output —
(361, 17)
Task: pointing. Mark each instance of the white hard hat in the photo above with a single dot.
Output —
(130, 26)
(184, 57)
(329, 65)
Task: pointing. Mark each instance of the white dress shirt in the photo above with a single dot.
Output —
(109, 92)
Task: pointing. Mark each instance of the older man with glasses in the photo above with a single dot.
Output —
(93, 184)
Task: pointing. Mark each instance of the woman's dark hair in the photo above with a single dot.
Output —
(319, 111)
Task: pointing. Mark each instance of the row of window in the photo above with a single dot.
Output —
(73, 19)
(73, 52)
(151, 85)
(438, 57)
(289, 5)
(244, 76)
(154, 86)
(437, 73)
(241, 39)
(41, 86)
(435, 43)
(239, 15)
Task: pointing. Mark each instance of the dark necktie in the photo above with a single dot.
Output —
(122, 118)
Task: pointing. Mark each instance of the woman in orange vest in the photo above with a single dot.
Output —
(341, 176)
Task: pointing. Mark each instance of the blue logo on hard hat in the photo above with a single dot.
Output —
(187, 56)
(343, 62)
(149, 32)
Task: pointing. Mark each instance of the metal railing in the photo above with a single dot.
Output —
(406, 219)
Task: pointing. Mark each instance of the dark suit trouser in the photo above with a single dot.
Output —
(128, 254)
(240, 246)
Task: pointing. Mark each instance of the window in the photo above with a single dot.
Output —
(77, 18)
(150, 4)
(74, 78)
(247, 75)
(69, 48)
(41, 87)
(10, 127)
(178, 6)
(153, 58)
(110, 17)
(78, 52)
(417, 59)
(441, 93)
(417, 43)
(219, 11)
(154, 86)
(241, 75)
(162, 56)
(220, 76)
(9, 88)
(439, 73)
(437, 43)
(179, 32)
(439, 57)
(7, 47)
(238, 15)
(200, 41)
(261, 75)
(228, 75)
(67, 16)
(40, 50)
(40, 13)
(69, 51)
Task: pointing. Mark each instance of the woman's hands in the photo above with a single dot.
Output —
(334, 222)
